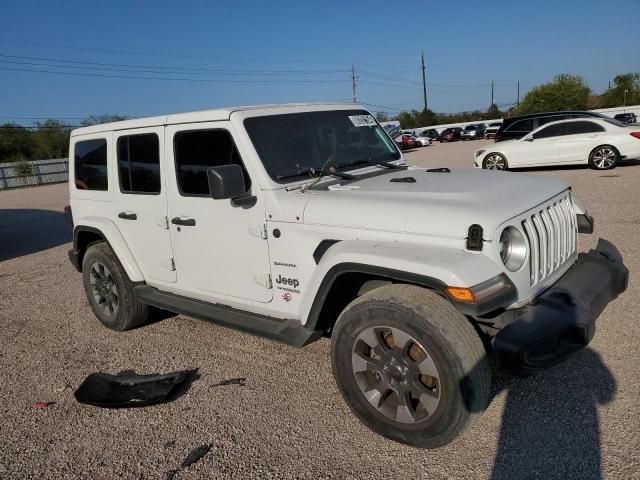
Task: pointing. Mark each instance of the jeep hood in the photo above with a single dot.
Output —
(440, 204)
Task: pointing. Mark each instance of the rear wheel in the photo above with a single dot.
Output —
(410, 366)
(495, 161)
(109, 290)
(604, 157)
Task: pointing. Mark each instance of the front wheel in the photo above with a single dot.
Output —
(410, 366)
(604, 157)
(495, 161)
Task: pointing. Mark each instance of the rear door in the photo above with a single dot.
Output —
(579, 139)
(140, 209)
(221, 248)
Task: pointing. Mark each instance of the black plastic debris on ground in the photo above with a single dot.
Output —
(128, 389)
(231, 381)
(195, 455)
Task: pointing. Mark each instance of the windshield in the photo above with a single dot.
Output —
(297, 144)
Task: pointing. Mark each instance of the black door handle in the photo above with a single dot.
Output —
(187, 222)
(127, 216)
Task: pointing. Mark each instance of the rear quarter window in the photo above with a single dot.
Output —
(90, 164)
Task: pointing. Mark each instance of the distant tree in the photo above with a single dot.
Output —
(98, 119)
(15, 142)
(407, 119)
(51, 139)
(615, 97)
(565, 92)
(493, 113)
(382, 117)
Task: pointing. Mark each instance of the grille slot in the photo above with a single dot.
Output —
(551, 233)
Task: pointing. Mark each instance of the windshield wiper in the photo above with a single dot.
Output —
(382, 163)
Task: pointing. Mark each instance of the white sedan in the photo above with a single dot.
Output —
(600, 143)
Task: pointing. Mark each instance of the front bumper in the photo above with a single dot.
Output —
(562, 320)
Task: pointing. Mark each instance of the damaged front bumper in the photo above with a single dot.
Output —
(562, 319)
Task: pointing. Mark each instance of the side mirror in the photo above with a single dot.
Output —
(528, 138)
(227, 181)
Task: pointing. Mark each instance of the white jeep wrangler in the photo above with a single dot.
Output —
(300, 221)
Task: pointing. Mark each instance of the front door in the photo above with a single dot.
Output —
(220, 249)
(543, 149)
(140, 209)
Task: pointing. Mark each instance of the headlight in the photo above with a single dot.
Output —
(513, 248)
(479, 152)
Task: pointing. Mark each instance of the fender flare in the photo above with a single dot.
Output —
(111, 234)
(433, 267)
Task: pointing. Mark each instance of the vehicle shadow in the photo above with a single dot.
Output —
(25, 231)
(550, 426)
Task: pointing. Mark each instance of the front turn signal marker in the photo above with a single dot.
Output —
(462, 294)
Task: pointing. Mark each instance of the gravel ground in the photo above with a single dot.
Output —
(579, 420)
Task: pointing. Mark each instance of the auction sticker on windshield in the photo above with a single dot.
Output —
(362, 120)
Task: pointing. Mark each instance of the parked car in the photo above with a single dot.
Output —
(405, 142)
(491, 129)
(518, 127)
(451, 134)
(600, 143)
(422, 141)
(431, 134)
(472, 132)
(298, 222)
(626, 117)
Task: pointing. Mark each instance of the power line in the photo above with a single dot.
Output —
(177, 79)
(191, 70)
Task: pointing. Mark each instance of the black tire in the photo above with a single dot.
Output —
(102, 275)
(445, 336)
(495, 161)
(604, 157)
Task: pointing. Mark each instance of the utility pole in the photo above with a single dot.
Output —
(518, 102)
(424, 80)
(625, 98)
(353, 81)
(492, 97)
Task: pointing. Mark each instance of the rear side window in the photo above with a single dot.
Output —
(139, 163)
(575, 128)
(551, 131)
(524, 126)
(554, 118)
(90, 161)
(198, 150)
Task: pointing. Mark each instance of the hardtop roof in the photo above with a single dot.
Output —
(211, 115)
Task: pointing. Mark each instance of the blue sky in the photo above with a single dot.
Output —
(272, 52)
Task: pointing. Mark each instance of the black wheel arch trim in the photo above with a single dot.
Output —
(75, 255)
(494, 303)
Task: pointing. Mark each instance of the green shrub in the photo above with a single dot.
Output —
(22, 168)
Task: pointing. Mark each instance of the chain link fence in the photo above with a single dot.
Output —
(12, 174)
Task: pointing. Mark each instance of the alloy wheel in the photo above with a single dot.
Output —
(104, 290)
(604, 158)
(495, 162)
(395, 374)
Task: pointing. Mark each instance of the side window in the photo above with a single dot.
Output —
(198, 150)
(575, 128)
(139, 163)
(524, 126)
(554, 118)
(550, 131)
(90, 161)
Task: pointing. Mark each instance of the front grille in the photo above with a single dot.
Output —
(552, 233)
